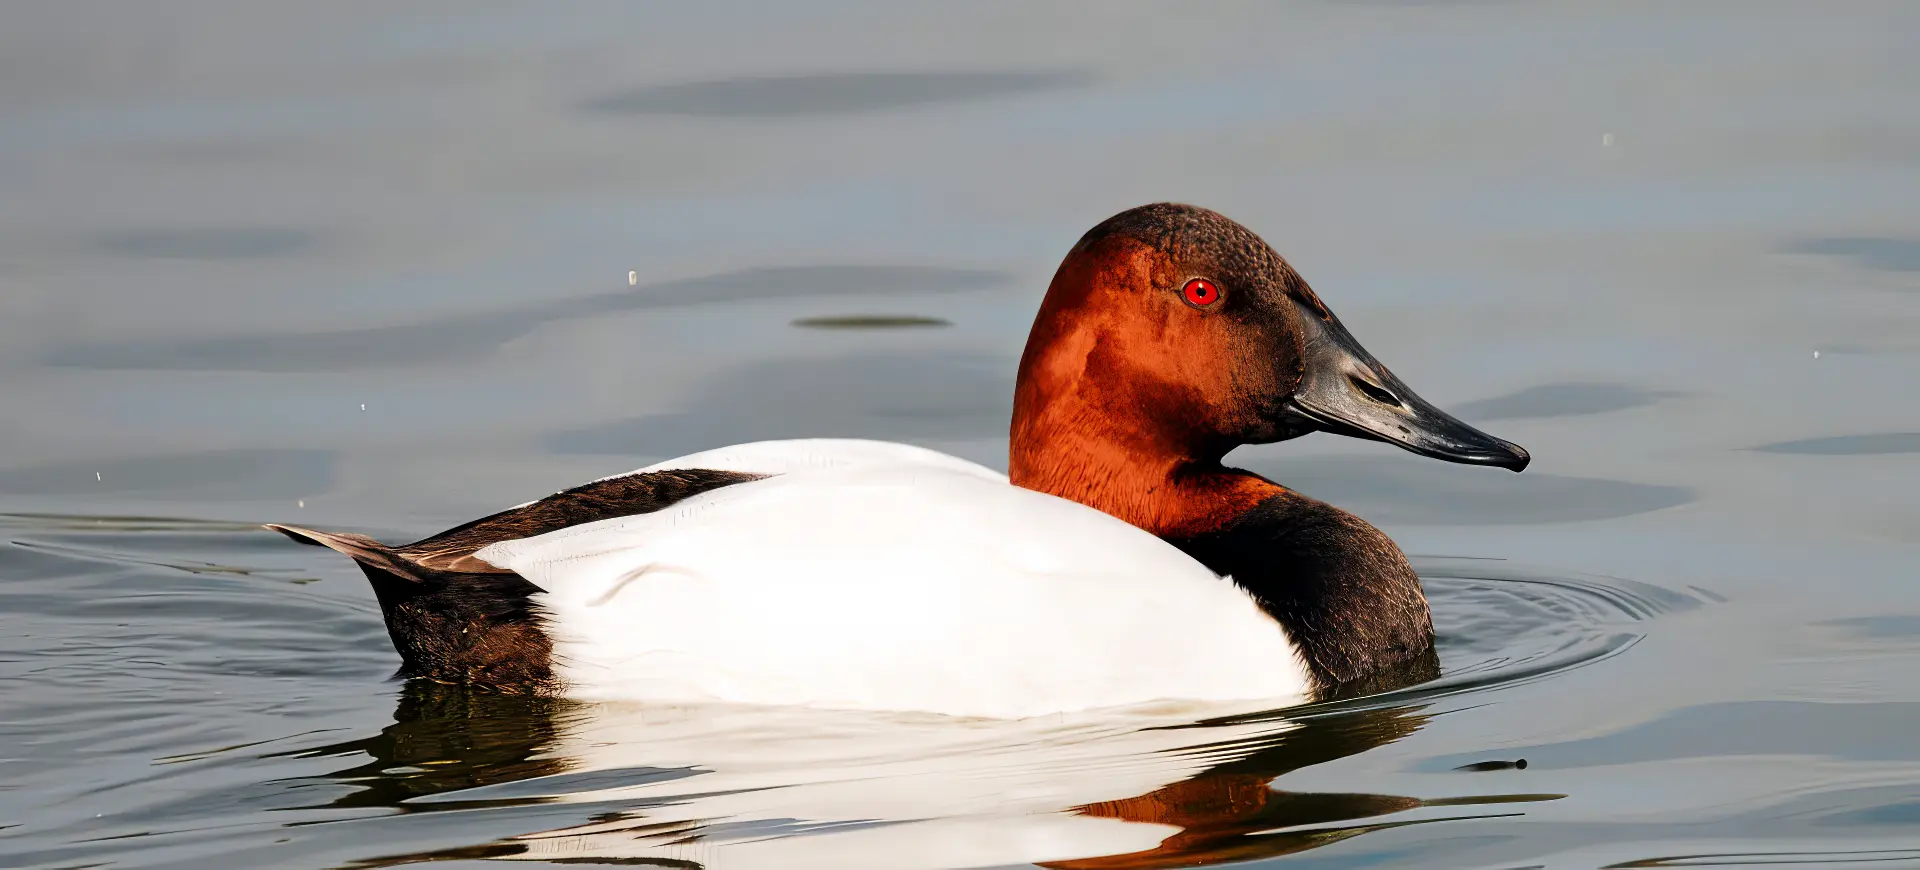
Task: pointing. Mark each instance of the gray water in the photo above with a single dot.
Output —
(354, 266)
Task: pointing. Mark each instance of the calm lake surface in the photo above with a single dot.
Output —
(363, 267)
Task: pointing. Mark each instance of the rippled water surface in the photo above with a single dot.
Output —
(388, 269)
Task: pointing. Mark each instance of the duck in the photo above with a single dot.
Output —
(1117, 563)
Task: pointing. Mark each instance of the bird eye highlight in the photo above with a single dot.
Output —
(1201, 292)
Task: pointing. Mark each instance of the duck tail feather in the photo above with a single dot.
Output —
(360, 548)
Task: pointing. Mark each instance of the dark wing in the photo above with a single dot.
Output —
(628, 495)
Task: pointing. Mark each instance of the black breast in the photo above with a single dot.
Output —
(1340, 587)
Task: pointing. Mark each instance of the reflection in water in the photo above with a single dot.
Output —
(444, 740)
(730, 787)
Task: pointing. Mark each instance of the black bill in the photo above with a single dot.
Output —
(1347, 392)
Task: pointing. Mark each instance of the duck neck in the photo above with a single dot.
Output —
(1074, 444)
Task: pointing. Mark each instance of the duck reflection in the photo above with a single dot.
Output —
(445, 740)
(748, 787)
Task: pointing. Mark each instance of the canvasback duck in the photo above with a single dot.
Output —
(1118, 563)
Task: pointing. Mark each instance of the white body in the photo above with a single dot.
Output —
(885, 577)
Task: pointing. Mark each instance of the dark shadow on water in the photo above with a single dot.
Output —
(829, 94)
(1871, 252)
(1570, 399)
(468, 337)
(446, 739)
(250, 474)
(1389, 488)
(1875, 444)
(212, 243)
(871, 321)
(888, 395)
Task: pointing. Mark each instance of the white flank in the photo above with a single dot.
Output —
(858, 580)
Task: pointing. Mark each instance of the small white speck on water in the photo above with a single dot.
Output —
(633, 279)
(96, 476)
(301, 503)
(1606, 139)
(1816, 354)
(363, 406)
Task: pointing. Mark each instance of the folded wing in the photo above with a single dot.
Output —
(887, 581)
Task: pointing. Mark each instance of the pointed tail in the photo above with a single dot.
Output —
(360, 548)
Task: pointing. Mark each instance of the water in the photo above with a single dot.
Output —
(365, 268)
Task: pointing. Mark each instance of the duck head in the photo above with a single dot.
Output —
(1171, 335)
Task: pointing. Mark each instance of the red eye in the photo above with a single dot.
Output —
(1202, 292)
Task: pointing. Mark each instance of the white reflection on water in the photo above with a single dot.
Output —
(727, 787)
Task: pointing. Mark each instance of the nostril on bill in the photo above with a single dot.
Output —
(1375, 391)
